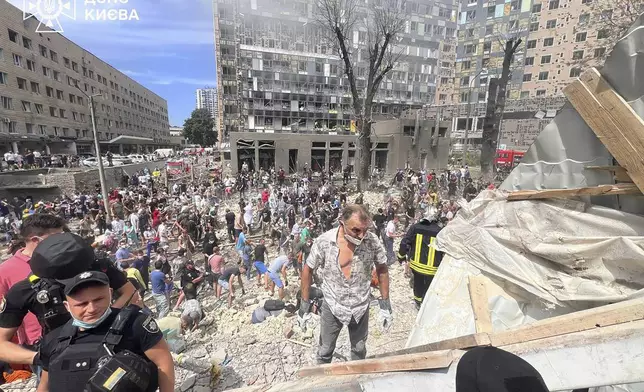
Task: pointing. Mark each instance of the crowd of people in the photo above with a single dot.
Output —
(274, 228)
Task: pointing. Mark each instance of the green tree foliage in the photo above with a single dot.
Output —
(200, 128)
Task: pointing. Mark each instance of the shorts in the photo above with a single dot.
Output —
(275, 277)
(223, 283)
(261, 267)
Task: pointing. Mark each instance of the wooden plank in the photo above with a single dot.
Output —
(422, 361)
(458, 343)
(619, 173)
(617, 189)
(621, 312)
(614, 122)
(618, 313)
(479, 298)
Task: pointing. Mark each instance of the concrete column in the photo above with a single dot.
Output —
(47, 149)
(121, 149)
(327, 157)
(256, 156)
(73, 148)
(14, 147)
(345, 155)
(93, 149)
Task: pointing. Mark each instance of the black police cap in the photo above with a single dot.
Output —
(61, 256)
(84, 278)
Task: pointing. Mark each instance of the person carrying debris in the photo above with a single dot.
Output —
(419, 244)
(277, 267)
(346, 287)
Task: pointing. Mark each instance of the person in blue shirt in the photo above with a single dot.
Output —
(159, 280)
(241, 243)
(277, 267)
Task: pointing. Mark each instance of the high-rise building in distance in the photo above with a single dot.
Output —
(207, 99)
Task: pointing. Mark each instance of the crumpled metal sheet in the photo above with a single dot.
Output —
(559, 154)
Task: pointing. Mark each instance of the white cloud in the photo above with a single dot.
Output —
(155, 78)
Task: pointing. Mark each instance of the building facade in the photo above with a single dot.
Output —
(277, 73)
(45, 81)
(177, 140)
(398, 143)
(559, 38)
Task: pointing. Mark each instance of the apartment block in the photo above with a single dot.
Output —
(207, 99)
(277, 72)
(559, 39)
(45, 81)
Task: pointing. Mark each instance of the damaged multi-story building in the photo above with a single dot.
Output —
(279, 81)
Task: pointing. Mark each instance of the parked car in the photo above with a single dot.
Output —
(92, 162)
(120, 158)
(136, 158)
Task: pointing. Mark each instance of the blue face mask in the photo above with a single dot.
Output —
(94, 324)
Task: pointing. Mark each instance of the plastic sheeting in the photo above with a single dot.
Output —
(564, 252)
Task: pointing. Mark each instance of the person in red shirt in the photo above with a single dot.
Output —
(35, 228)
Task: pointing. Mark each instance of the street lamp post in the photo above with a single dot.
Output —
(469, 112)
(99, 159)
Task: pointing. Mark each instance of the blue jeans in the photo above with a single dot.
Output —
(248, 266)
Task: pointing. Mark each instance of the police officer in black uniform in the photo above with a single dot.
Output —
(419, 244)
(58, 256)
(103, 348)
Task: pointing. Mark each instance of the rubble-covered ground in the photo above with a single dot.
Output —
(270, 352)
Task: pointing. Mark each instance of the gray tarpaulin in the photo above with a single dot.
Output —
(565, 146)
(561, 251)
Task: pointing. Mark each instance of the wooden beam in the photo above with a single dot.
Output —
(614, 122)
(619, 173)
(603, 316)
(479, 298)
(621, 312)
(422, 361)
(617, 189)
(458, 343)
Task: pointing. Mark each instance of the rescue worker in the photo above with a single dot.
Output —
(58, 256)
(104, 348)
(419, 244)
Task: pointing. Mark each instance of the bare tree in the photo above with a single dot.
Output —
(611, 19)
(494, 111)
(384, 22)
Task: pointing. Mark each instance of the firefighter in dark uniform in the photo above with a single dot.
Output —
(59, 256)
(419, 246)
(103, 348)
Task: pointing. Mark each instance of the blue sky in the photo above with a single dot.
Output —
(170, 50)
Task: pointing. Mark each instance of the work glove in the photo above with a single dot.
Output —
(304, 314)
(401, 257)
(385, 317)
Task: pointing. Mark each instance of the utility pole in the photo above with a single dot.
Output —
(99, 158)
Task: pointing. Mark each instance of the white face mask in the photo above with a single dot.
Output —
(351, 239)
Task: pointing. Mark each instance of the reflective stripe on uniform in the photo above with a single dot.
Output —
(422, 268)
(432, 252)
(419, 243)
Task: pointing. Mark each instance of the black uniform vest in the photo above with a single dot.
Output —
(49, 307)
(74, 364)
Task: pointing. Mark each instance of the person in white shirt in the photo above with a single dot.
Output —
(163, 234)
(134, 220)
(248, 214)
(118, 225)
(390, 235)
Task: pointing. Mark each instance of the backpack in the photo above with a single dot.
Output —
(273, 305)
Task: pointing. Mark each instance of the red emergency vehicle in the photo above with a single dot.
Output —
(508, 158)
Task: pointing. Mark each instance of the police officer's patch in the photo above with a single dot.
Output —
(150, 325)
(3, 304)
